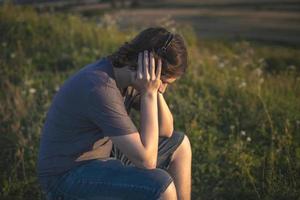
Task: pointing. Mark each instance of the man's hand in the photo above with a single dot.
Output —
(162, 88)
(147, 80)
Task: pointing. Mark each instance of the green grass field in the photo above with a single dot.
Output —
(239, 103)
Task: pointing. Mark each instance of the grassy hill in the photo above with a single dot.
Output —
(239, 103)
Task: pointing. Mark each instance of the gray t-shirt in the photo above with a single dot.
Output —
(89, 106)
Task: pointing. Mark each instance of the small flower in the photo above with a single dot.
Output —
(45, 92)
(243, 133)
(56, 88)
(28, 82)
(232, 127)
(244, 64)
(221, 65)
(248, 139)
(261, 60)
(278, 150)
(32, 90)
(258, 72)
(12, 55)
(243, 84)
(261, 80)
(214, 57)
(292, 67)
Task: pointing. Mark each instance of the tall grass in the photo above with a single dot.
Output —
(239, 103)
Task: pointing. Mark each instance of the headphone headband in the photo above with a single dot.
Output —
(163, 49)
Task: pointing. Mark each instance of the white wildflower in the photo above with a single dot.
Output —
(261, 60)
(107, 21)
(28, 82)
(258, 72)
(278, 150)
(243, 133)
(12, 55)
(243, 84)
(56, 88)
(214, 57)
(45, 92)
(261, 80)
(221, 65)
(292, 67)
(32, 90)
(246, 63)
(248, 139)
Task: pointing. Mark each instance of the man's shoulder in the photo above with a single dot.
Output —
(98, 73)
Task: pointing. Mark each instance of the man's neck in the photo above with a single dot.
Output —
(121, 81)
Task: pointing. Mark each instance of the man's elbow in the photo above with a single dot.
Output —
(147, 162)
(150, 164)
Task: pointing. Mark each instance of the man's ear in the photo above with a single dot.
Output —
(132, 76)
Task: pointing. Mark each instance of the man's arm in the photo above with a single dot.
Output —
(165, 118)
(142, 147)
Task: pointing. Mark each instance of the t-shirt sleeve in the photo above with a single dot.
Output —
(107, 110)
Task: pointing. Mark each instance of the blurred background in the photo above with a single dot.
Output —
(239, 101)
(260, 20)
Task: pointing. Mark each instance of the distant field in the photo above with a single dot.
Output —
(272, 21)
(270, 26)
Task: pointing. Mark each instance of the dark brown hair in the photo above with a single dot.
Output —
(174, 61)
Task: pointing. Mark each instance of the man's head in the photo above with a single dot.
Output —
(174, 58)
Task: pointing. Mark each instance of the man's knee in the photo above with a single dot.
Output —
(184, 150)
(163, 176)
(169, 193)
(186, 146)
(167, 190)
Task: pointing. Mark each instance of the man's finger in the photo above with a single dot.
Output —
(140, 66)
(146, 64)
(152, 66)
(158, 70)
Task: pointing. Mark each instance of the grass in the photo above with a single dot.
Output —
(239, 103)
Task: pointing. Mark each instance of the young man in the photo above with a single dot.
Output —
(91, 149)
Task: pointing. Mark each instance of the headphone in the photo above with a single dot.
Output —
(163, 49)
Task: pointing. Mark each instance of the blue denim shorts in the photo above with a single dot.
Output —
(116, 178)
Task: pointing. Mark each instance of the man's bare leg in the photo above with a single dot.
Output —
(180, 169)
